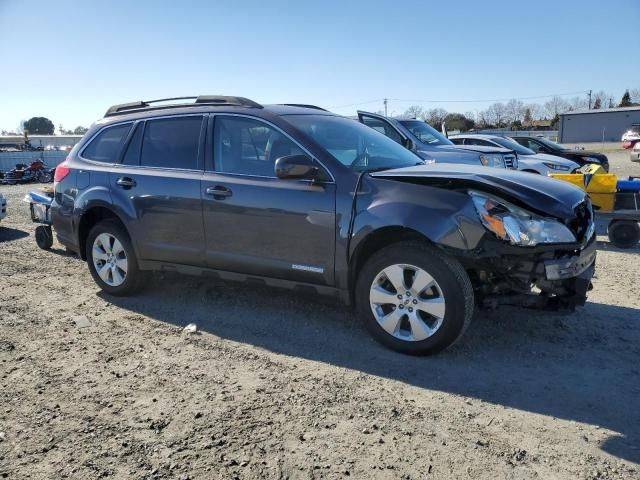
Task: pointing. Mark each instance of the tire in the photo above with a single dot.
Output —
(118, 277)
(44, 237)
(624, 233)
(448, 303)
(45, 177)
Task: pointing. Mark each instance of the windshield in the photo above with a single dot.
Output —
(512, 145)
(425, 133)
(352, 144)
(550, 144)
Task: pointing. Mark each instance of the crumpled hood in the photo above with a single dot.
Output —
(534, 192)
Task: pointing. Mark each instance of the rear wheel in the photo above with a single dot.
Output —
(112, 260)
(414, 299)
(44, 237)
(624, 233)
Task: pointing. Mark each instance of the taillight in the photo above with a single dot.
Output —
(61, 172)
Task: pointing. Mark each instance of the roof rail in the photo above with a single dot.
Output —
(304, 105)
(198, 101)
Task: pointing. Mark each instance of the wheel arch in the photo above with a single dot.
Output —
(91, 217)
(373, 242)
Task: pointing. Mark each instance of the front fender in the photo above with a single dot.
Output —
(445, 217)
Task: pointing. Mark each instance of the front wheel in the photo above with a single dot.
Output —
(414, 298)
(112, 260)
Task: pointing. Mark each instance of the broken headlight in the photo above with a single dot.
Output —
(517, 226)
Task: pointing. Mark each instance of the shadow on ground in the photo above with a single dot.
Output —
(582, 367)
(11, 234)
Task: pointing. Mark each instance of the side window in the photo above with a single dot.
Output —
(382, 127)
(457, 141)
(249, 147)
(535, 146)
(171, 142)
(132, 155)
(477, 141)
(106, 146)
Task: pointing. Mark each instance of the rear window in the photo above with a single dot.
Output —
(171, 142)
(105, 147)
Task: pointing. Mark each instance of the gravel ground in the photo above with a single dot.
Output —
(276, 386)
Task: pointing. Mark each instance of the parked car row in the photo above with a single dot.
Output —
(396, 219)
(530, 154)
(528, 160)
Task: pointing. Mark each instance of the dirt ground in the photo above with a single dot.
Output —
(277, 386)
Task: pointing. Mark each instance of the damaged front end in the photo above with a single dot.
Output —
(555, 280)
(523, 239)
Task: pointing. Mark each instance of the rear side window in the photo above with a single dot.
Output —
(106, 146)
(171, 142)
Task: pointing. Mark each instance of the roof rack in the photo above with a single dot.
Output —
(198, 101)
(304, 105)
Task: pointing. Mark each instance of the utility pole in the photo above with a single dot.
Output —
(385, 106)
(589, 99)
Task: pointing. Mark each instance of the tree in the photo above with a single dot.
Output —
(39, 126)
(635, 95)
(435, 117)
(458, 121)
(80, 130)
(514, 110)
(555, 106)
(527, 117)
(597, 104)
(626, 100)
(414, 111)
(497, 114)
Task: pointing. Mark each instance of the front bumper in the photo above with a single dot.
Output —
(542, 278)
(570, 266)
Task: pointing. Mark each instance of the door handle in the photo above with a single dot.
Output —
(218, 192)
(126, 182)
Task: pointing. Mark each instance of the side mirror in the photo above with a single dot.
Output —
(295, 166)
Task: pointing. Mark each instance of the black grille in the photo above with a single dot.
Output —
(510, 161)
(583, 219)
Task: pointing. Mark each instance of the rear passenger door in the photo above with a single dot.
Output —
(158, 184)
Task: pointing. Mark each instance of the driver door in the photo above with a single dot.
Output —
(256, 223)
(382, 125)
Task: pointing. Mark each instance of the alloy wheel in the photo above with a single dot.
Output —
(407, 302)
(110, 259)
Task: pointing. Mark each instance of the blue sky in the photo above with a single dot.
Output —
(70, 60)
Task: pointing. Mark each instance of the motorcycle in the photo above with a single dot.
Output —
(37, 171)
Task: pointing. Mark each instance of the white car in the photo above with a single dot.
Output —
(528, 160)
(3, 207)
(635, 153)
(632, 134)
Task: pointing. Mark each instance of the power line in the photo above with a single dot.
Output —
(536, 97)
